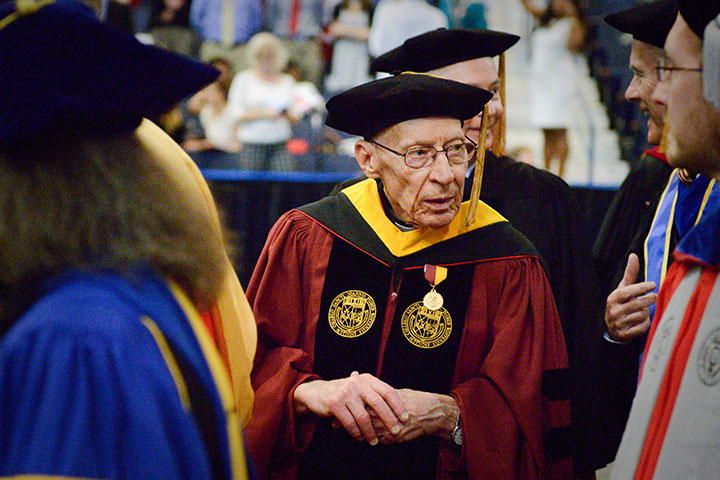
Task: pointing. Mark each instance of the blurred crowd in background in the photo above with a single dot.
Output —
(282, 59)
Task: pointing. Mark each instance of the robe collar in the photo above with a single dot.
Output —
(702, 244)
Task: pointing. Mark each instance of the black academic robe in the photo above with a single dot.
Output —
(542, 207)
(628, 220)
(624, 230)
(339, 288)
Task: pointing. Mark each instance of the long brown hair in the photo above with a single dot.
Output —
(97, 201)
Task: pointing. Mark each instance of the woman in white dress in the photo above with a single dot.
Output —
(554, 46)
(350, 58)
(394, 21)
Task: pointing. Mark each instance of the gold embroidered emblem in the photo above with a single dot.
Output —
(426, 328)
(352, 313)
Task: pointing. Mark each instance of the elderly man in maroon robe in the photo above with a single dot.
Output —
(403, 333)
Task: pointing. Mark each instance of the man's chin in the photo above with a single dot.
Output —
(674, 155)
(654, 139)
(438, 219)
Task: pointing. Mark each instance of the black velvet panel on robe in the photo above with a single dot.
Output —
(361, 262)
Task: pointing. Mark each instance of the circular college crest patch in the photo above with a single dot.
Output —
(661, 344)
(708, 364)
(352, 313)
(426, 328)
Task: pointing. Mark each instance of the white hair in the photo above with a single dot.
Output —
(266, 39)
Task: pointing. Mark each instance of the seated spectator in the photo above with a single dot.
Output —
(308, 101)
(218, 124)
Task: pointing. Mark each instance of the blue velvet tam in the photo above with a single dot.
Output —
(62, 70)
(649, 23)
(443, 47)
(371, 107)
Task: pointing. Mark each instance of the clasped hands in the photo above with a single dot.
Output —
(373, 411)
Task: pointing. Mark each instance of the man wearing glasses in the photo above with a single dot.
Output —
(674, 425)
(534, 201)
(399, 337)
(655, 207)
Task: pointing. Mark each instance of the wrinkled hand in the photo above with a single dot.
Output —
(431, 414)
(351, 401)
(626, 314)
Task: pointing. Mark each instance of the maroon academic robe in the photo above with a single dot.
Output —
(503, 361)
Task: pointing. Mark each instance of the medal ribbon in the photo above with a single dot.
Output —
(434, 274)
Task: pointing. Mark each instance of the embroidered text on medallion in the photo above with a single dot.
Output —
(426, 328)
(352, 313)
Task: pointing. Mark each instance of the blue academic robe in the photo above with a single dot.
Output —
(109, 376)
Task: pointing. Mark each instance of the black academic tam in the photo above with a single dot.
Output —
(368, 108)
(65, 70)
(442, 47)
(698, 13)
(649, 23)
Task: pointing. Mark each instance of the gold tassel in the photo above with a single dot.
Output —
(478, 174)
(498, 146)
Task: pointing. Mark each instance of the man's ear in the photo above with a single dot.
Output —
(366, 158)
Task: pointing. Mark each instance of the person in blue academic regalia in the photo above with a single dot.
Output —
(112, 262)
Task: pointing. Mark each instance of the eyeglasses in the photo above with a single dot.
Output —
(421, 156)
(664, 70)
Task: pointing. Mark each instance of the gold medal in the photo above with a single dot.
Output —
(433, 300)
